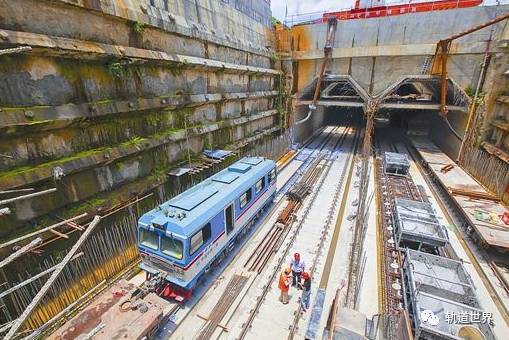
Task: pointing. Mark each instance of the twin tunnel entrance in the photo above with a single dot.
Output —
(411, 104)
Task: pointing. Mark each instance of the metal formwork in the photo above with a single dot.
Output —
(440, 287)
(396, 163)
(439, 276)
(417, 222)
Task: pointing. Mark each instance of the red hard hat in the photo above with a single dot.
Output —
(296, 256)
(305, 275)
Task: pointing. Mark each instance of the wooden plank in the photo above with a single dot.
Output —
(473, 194)
(54, 276)
(75, 226)
(16, 191)
(59, 234)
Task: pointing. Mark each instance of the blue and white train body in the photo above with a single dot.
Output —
(183, 237)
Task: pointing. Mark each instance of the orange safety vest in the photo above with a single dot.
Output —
(284, 284)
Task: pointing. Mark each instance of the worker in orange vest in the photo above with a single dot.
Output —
(284, 285)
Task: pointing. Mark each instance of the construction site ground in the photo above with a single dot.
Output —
(236, 302)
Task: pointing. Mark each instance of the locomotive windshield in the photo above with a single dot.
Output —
(172, 247)
(149, 239)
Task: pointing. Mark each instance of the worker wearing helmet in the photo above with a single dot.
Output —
(297, 266)
(284, 285)
(306, 291)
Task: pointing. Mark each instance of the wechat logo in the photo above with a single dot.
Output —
(429, 317)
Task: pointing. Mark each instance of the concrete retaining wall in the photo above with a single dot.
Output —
(378, 51)
(109, 88)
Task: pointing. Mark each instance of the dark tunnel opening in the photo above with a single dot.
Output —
(405, 123)
(410, 92)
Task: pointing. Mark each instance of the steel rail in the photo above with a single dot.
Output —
(321, 139)
(349, 164)
(247, 325)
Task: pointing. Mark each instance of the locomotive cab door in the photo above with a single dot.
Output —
(229, 219)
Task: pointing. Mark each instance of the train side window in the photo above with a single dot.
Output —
(172, 247)
(198, 239)
(272, 175)
(228, 215)
(149, 239)
(260, 185)
(245, 198)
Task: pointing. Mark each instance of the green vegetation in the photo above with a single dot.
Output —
(167, 132)
(275, 21)
(136, 140)
(179, 68)
(159, 171)
(117, 69)
(470, 91)
(502, 92)
(274, 56)
(138, 27)
(52, 164)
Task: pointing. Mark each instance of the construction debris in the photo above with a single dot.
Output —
(473, 194)
(116, 314)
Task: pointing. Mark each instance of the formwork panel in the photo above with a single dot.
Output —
(424, 303)
(417, 222)
(440, 276)
(396, 163)
(441, 287)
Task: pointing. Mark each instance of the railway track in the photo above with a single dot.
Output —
(296, 229)
(349, 164)
(270, 242)
(312, 149)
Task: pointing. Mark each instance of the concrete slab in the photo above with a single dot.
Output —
(439, 276)
(416, 222)
(483, 215)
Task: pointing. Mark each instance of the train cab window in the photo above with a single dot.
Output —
(198, 239)
(172, 247)
(272, 175)
(260, 185)
(149, 239)
(245, 198)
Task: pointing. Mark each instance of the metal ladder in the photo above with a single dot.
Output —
(426, 64)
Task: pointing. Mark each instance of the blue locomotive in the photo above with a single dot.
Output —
(183, 237)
